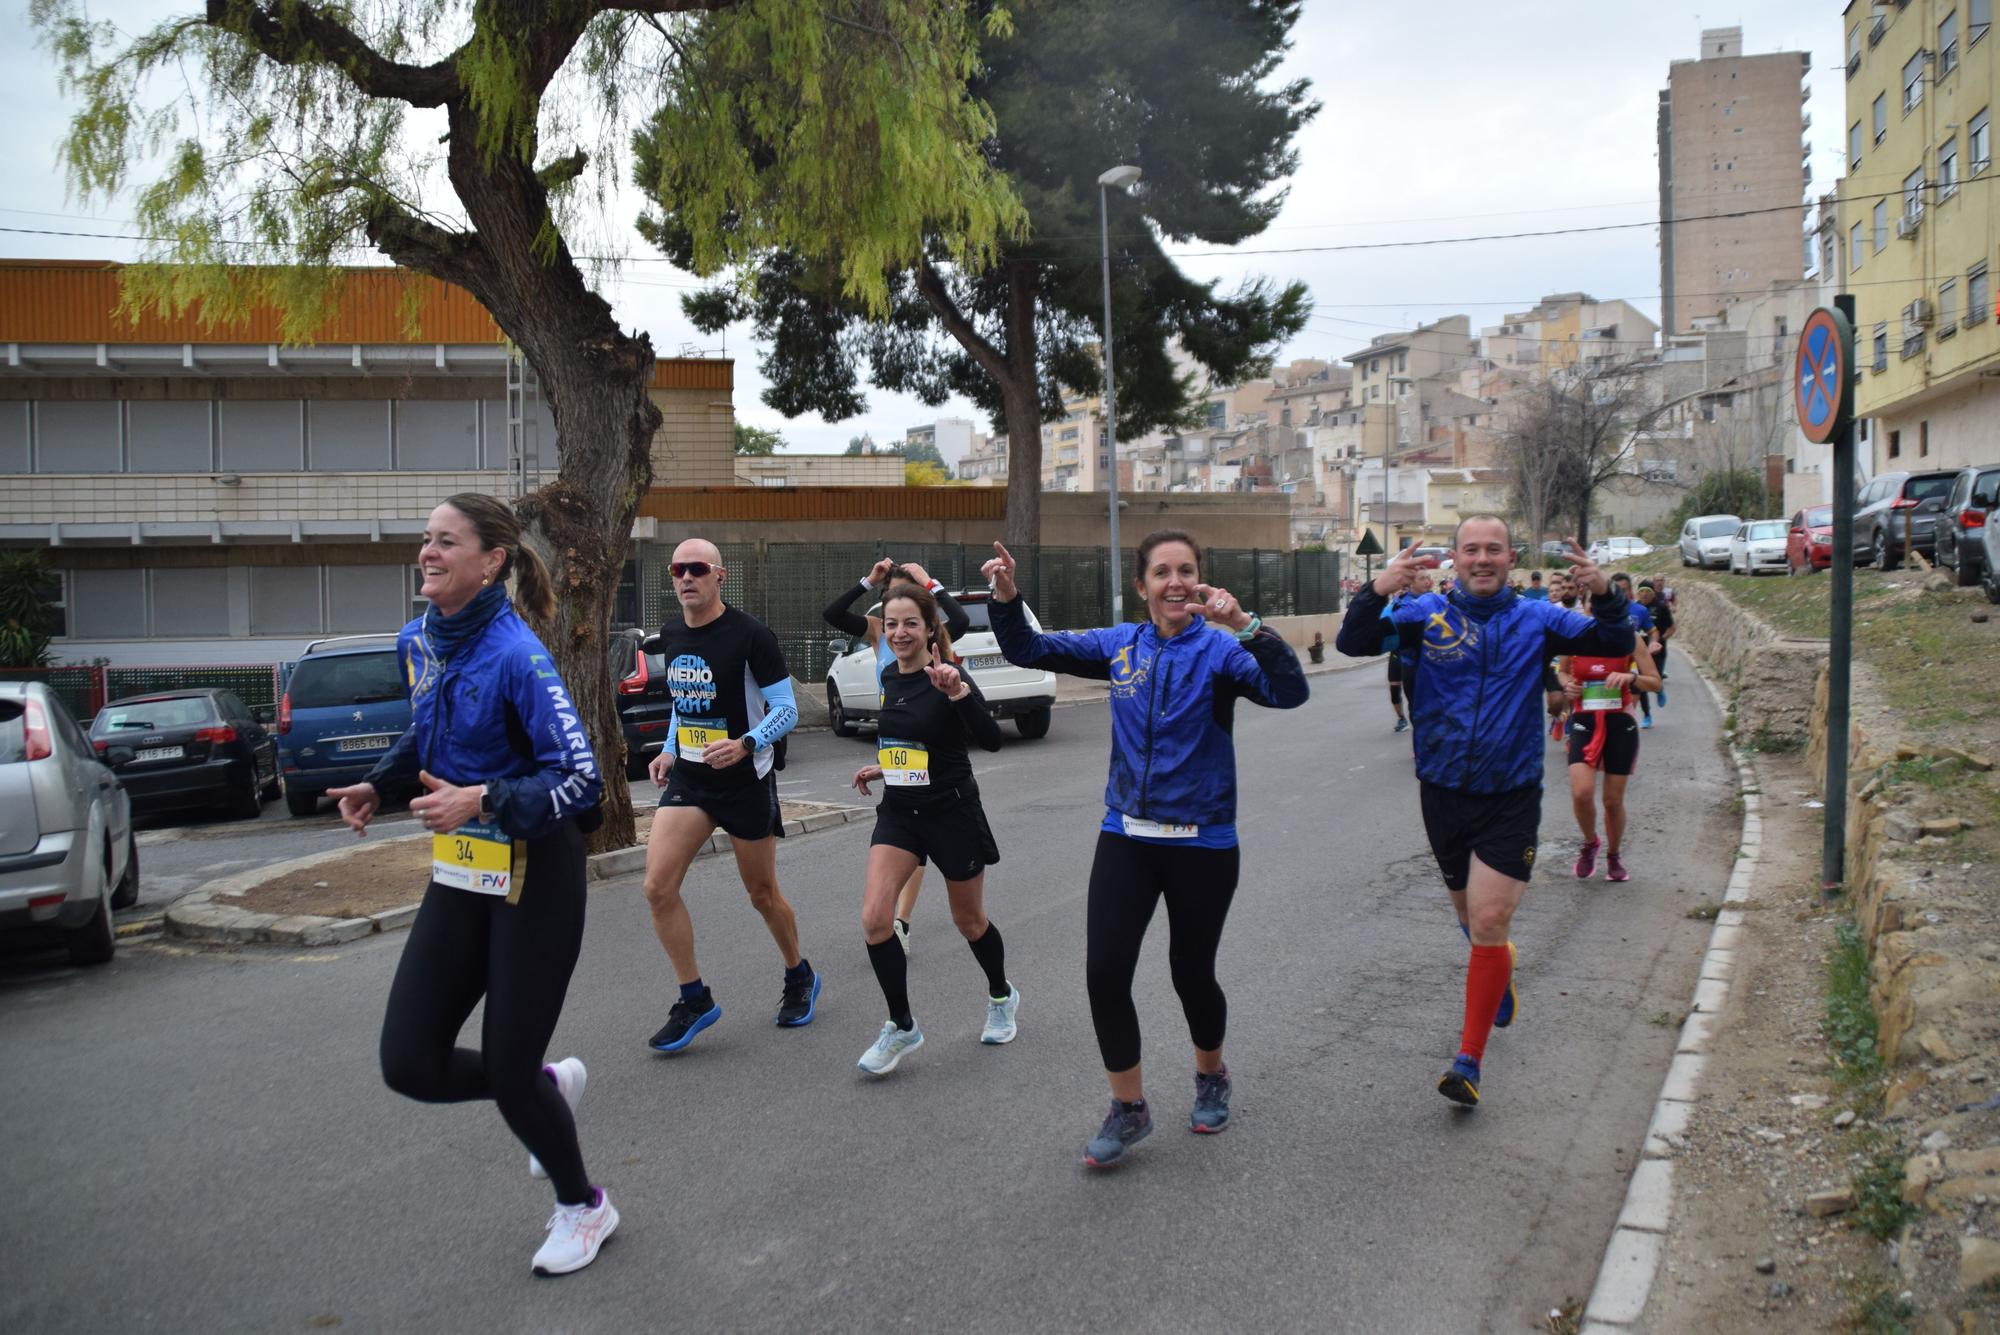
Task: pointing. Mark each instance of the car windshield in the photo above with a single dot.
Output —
(13, 731)
(1923, 488)
(1770, 528)
(151, 715)
(1820, 516)
(1718, 528)
(345, 679)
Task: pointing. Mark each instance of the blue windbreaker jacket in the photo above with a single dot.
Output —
(1478, 718)
(1172, 705)
(460, 720)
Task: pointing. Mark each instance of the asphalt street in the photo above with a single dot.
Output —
(200, 1140)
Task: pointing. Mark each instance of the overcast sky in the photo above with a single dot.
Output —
(1474, 118)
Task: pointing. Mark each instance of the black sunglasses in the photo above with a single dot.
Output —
(690, 569)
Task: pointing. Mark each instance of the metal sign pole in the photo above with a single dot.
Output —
(1840, 632)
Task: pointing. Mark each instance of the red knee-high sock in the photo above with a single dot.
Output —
(1485, 983)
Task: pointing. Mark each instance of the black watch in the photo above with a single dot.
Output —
(485, 803)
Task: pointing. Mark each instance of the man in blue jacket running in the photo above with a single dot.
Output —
(1481, 651)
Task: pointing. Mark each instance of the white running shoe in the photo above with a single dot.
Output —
(1000, 1017)
(891, 1045)
(902, 931)
(575, 1234)
(570, 1078)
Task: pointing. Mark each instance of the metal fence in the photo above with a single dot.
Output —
(785, 585)
(85, 690)
(81, 689)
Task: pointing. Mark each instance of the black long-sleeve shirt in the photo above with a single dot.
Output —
(918, 719)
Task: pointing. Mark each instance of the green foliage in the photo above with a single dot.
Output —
(1192, 109)
(756, 440)
(25, 620)
(923, 473)
(924, 451)
(1737, 491)
(1882, 1312)
(1879, 1208)
(1850, 1020)
(1769, 741)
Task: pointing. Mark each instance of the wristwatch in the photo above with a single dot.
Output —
(1256, 624)
(486, 812)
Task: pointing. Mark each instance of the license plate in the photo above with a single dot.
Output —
(364, 743)
(987, 661)
(159, 753)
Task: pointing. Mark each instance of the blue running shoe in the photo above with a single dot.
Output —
(1646, 722)
(1211, 1102)
(684, 1021)
(1504, 1015)
(800, 1001)
(1402, 724)
(1461, 1083)
(1123, 1128)
(1660, 696)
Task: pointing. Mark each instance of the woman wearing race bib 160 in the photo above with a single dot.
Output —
(1169, 827)
(508, 769)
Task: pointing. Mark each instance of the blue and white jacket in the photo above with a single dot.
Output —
(475, 717)
(1172, 707)
(1478, 718)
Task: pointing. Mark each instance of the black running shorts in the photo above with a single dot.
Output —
(955, 837)
(1619, 753)
(1395, 668)
(749, 813)
(1502, 828)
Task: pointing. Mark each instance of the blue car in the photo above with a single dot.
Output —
(343, 706)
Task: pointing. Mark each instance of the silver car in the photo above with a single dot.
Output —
(67, 855)
(1758, 546)
(1705, 540)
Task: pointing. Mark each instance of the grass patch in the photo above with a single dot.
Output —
(1881, 1312)
(1850, 1020)
(1879, 1208)
(1565, 1320)
(1703, 912)
(1772, 742)
(1664, 1019)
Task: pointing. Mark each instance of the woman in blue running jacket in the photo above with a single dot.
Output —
(508, 775)
(1169, 829)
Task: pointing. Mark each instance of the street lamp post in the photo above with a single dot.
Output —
(1123, 178)
(1396, 384)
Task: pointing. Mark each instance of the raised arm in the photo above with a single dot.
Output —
(1076, 653)
(1265, 669)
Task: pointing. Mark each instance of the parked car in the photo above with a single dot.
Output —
(1555, 547)
(1961, 545)
(1809, 540)
(645, 707)
(1704, 540)
(67, 855)
(190, 749)
(345, 704)
(1758, 546)
(1990, 566)
(1026, 695)
(1892, 503)
(1606, 551)
(1432, 558)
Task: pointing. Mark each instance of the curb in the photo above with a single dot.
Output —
(1632, 1257)
(206, 916)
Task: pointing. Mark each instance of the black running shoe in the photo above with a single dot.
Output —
(799, 1002)
(684, 1021)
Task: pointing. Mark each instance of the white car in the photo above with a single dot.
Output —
(1026, 695)
(1759, 546)
(1609, 551)
(1705, 540)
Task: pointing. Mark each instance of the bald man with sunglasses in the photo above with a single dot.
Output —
(733, 700)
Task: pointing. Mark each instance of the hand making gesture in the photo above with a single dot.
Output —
(1000, 573)
(1583, 571)
(945, 677)
(1400, 574)
(1220, 606)
(878, 574)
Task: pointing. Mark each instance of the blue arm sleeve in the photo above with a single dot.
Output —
(1076, 653)
(1265, 669)
(1364, 627)
(566, 779)
(401, 762)
(1606, 632)
(781, 714)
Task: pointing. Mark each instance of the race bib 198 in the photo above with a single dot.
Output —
(694, 734)
(1152, 829)
(904, 764)
(476, 857)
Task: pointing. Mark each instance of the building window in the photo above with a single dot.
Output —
(1853, 50)
(189, 602)
(1854, 249)
(1976, 296)
(1913, 81)
(1924, 439)
(1880, 122)
(1979, 142)
(1895, 444)
(1854, 148)
(1947, 312)
(1947, 46)
(1880, 362)
(1913, 194)
(1402, 361)
(110, 604)
(1881, 225)
(1947, 184)
(1978, 18)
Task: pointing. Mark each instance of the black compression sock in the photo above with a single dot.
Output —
(892, 971)
(992, 957)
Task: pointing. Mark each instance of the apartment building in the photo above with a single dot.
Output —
(1916, 216)
(215, 495)
(819, 470)
(986, 463)
(1732, 175)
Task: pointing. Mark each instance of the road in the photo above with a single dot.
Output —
(201, 1140)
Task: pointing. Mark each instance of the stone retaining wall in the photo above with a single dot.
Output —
(1770, 674)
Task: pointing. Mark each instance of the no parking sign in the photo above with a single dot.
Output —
(1823, 376)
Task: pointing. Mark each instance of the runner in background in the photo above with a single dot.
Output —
(1648, 635)
(1603, 739)
(1663, 630)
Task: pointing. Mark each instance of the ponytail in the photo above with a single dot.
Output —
(499, 527)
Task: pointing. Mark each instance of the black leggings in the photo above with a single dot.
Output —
(1126, 883)
(519, 957)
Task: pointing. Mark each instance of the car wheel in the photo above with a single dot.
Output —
(127, 893)
(1962, 571)
(300, 804)
(1035, 723)
(248, 804)
(1991, 584)
(270, 787)
(1883, 560)
(96, 940)
(836, 716)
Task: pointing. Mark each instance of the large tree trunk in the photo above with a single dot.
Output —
(1021, 400)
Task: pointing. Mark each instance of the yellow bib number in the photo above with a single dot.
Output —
(476, 857)
(694, 735)
(904, 764)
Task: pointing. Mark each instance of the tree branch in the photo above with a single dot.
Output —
(563, 170)
(306, 35)
(455, 257)
(954, 321)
